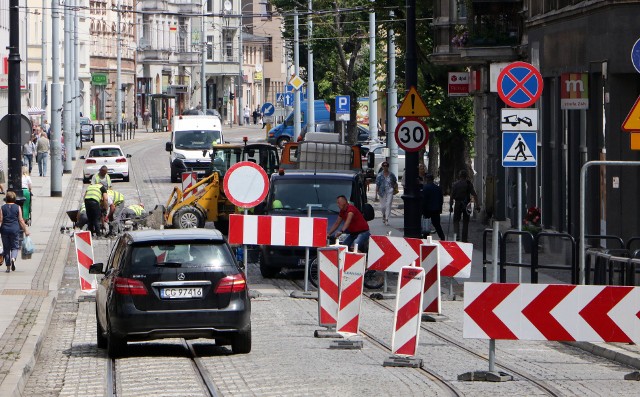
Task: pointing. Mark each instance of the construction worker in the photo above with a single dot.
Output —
(95, 201)
(133, 211)
(115, 201)
(102, 177)
(82, 218)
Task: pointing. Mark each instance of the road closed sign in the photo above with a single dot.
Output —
(246, 184)
(458, 84)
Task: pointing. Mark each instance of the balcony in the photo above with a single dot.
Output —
(492, 32)
(153, 5)
(152, 55)
(188, 6)
(188, 58)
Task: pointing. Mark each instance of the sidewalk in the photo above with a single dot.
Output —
(627, 354)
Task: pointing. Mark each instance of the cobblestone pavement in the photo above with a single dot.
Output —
(287, 360)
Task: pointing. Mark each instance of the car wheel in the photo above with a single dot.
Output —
(126, 179)
(241, 342)
(175, 178)
(188, 217)
(267, 271)
(115, 345)
(283, 141)
(102, 340)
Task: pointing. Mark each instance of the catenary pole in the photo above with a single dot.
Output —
(70, 144)
(56, 103)
(311, 93)
(43, 60)
(241, 73)
(203, 77)
(67, 86)
(14, 159)
(118, 73)
(296, 61)
(76, 83)
(392, 102)
(373, 89)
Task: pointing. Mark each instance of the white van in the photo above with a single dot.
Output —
(191, 142)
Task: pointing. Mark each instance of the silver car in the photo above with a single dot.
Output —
(376, 149)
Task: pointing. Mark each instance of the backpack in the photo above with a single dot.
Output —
(368, 212)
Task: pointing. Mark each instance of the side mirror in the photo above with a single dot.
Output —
(128, 156)
(168, 147)
(96, 268)
(371, 160)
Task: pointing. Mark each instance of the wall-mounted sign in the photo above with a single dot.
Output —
(99, 79)
(574, 91)
(458, 83)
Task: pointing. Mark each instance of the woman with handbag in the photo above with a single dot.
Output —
(11, 225)
(386, 187)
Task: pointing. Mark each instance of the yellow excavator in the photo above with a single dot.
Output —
(205, 201)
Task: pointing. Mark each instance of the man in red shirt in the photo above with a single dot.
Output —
(354, 224)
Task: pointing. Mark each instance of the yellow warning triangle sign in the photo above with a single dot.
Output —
(632, 122)
(413, 105)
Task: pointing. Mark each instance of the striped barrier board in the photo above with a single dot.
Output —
(407, 317)
(351, 286)
(329, 284)
(392, 253)
(84, 255)
(189, 179)
(289, 231)
(431, 302)
(585, 313)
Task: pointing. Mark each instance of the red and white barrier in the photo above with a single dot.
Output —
(392, 253)
(84, 255)
(351, 286)
(329, 285)
(277, 230)
(429, 261)
(587, 313)
(408, 313)
(189, 179)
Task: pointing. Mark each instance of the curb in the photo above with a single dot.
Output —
(609, 354)
(14, 383)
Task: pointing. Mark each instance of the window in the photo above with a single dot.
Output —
(268, 50)
(209, 47)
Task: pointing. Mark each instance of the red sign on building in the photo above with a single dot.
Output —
(458, 83)
(574, 91)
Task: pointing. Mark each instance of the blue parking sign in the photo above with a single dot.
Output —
(343, 104)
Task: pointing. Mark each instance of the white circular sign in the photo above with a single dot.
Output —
(246, 184)
(412, 134)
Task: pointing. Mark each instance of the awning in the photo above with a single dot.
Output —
(35, 111)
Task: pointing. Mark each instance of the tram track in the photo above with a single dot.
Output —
(446, 385)
(200, 371)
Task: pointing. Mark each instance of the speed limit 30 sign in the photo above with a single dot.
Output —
(412, 134)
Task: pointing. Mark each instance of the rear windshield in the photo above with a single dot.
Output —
(297, 193)
(105, 152)
(197, 140)
(186, 254)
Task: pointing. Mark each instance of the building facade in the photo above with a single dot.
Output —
(582, 47)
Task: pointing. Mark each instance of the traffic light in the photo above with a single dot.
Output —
(232, 96)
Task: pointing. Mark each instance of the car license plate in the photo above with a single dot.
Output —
(180, 293)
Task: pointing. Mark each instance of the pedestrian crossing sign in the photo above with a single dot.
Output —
(519, 149)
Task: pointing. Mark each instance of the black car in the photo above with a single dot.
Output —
(172, 284)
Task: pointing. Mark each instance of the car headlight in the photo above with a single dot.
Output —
(179, 156)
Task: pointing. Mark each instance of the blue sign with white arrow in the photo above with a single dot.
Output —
(268, 109)
(343, 104)
(288, 99)
(635, 56)
(519, 149)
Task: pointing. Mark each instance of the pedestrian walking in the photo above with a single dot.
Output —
(256, 114)
(354, 224)
(386, 187)
(432, 201)
(28, 149)
(3, 179)
(11, 225)
(95, 201)
(102, 177)
(461, 193)
(42, 153)
(27, 205)
(247, 113)
(145, 118)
